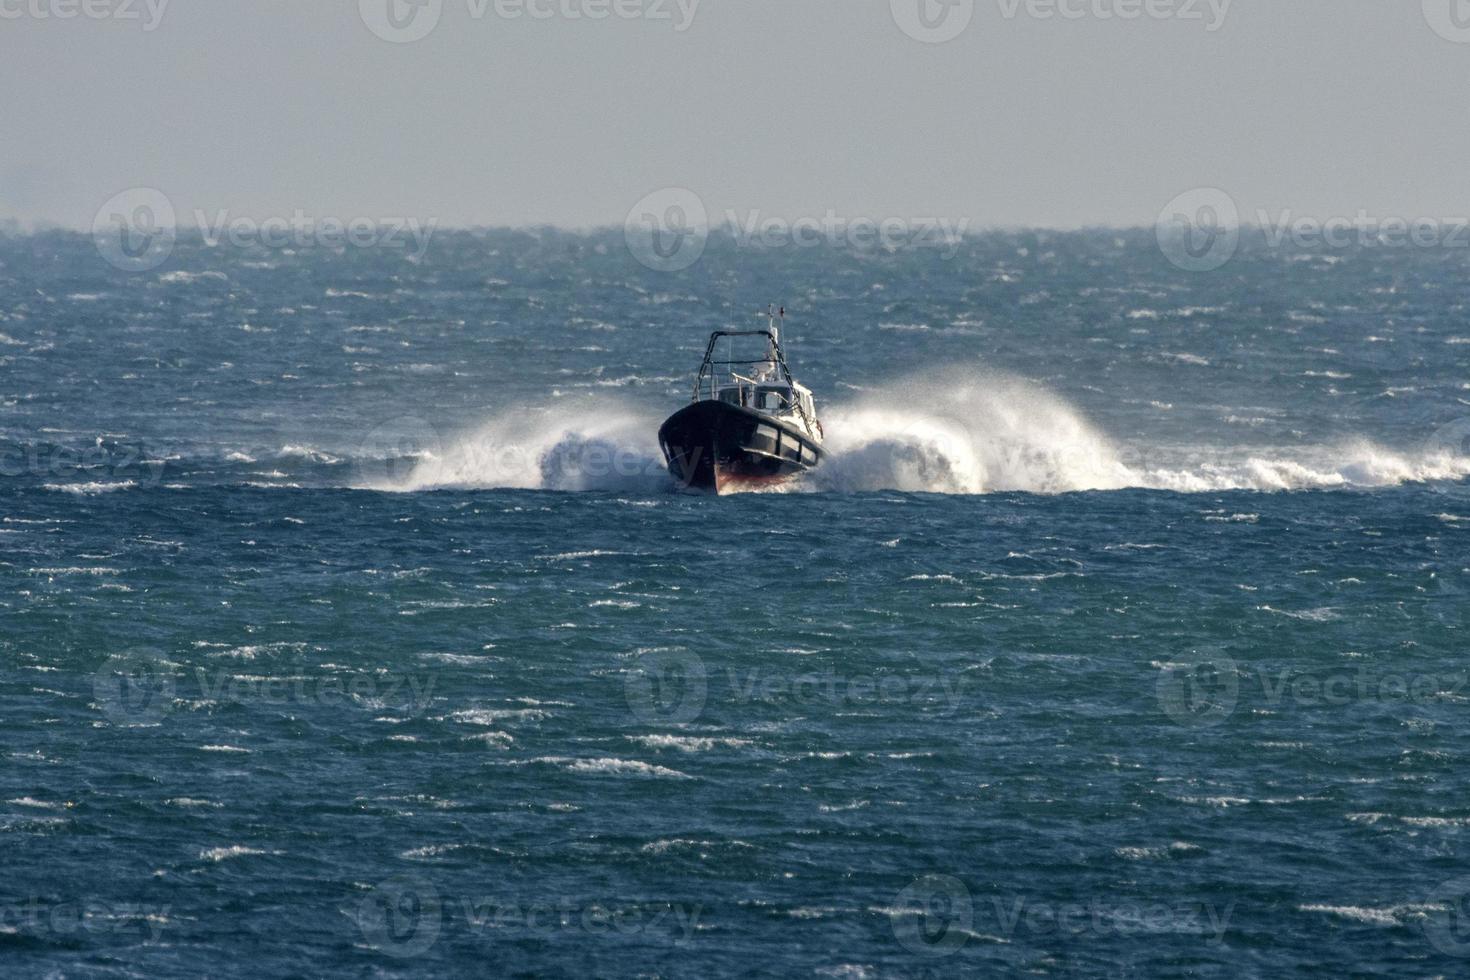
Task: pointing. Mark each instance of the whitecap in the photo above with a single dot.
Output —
(1392, 915)
(687, 743)
(233, 851)
(614, 767)
(1175, 849)
(91, 489)
(490, 717)
(431, 850)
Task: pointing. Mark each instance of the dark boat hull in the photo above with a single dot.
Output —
(715, 446)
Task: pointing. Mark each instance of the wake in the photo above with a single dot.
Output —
(961, 434)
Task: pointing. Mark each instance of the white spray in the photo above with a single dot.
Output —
(962, 432)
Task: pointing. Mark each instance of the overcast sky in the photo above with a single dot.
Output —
(789, 107)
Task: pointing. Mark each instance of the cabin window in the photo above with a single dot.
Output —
(730, 396)
(771, 399)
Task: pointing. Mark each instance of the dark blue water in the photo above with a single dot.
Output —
(349, 626)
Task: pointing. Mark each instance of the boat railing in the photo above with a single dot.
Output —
(716, 374)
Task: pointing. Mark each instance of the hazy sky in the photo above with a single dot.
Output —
(791, 107)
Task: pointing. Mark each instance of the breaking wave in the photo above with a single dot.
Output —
(961, 434)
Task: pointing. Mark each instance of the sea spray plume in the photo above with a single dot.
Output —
(594, 447)
(967, 431)
(957, 431)
(981, 431)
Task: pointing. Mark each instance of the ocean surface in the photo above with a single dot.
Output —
(350, 626)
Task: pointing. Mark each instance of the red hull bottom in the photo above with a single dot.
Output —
(728, 481)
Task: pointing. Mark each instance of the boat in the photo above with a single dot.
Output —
(750, 425)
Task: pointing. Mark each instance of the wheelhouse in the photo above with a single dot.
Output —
(758, 380)
(775, 399)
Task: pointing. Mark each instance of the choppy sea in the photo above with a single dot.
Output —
(349, 625)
